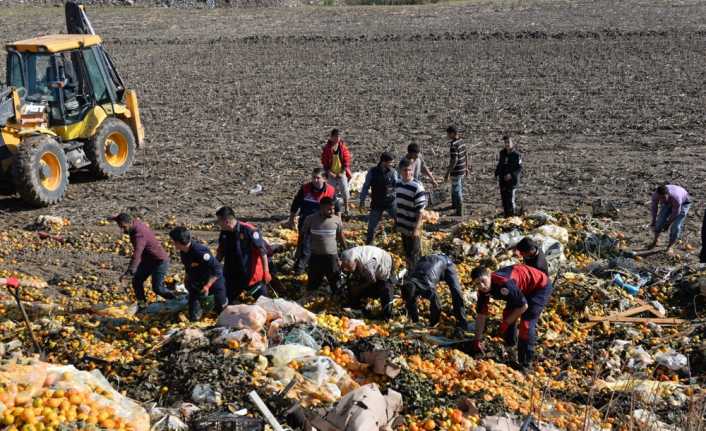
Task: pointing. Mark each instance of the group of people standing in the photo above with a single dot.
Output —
(243, 265)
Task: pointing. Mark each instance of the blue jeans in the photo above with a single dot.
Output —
(157, 272)
(677, 226)
(374, 220)
(457, 192)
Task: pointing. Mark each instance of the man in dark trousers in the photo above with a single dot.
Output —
(410, 201)
(305, 203)
(204, 274)
(458, 168)
(244, 254)
(324, 230)
(371, 269)
(532, 254)
(508, 174)
(526, 291)
(380, 180)
(422, 281)
(148, 259)
(336, 160)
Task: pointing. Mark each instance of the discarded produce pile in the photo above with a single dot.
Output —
(612, 350)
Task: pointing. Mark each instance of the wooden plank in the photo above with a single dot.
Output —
(632, 311)
(625, 319)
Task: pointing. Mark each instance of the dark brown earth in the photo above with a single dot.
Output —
(605, 98)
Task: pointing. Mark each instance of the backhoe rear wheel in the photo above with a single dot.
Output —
(112, 150)
(40, 171)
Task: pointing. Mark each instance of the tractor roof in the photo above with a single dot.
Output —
(55, 43)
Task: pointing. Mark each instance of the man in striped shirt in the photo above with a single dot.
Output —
(458, 168)
(410, 200)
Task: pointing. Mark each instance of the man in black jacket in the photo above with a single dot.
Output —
(508, 174)
(380, 180)
(422, 281)
(532, 254)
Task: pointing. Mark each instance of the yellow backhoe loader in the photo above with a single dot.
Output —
(65, 108)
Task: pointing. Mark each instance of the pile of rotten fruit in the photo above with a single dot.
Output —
(606, 358)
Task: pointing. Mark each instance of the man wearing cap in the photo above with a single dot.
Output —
(148, 258)
(371, 269)
(526, 291)
(422, 282)
(532, 254)
(245, 256)
(380, 180)
(204, 274)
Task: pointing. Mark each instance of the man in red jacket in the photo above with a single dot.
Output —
(336, 160)
(148, 258)
(245, 256)
(526, 291)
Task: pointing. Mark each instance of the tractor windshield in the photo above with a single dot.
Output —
(41, 73)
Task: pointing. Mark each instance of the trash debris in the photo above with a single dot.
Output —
(673, 360)
(204, 393)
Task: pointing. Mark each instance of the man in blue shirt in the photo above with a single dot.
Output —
(204, 274)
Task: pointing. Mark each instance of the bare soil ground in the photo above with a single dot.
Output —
(605, 98)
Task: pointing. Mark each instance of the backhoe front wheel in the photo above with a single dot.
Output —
(40, 171)
(112, 150)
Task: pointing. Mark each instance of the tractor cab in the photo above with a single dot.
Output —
(68, 74)
(65, 109)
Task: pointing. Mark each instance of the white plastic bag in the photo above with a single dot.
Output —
(673, 360)
(557, 232)
(286, 353)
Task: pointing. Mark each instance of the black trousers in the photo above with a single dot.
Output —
(381, 290)
(412, 249)
(323, 266)
(507, 195)
(218, 290)
(236, 284)
(411, 291)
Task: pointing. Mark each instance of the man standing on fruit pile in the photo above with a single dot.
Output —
(410, 200)
(381, 181)
(204, 274)
(324, 231)
(336, 160)
(148, 259)
(244, 254)
(507, 173)
(526, 291)
(675, 203)
(306, 203)
(372, 276)
(458, 168)
(422, 281)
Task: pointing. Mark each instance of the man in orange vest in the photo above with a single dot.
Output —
(245, 255)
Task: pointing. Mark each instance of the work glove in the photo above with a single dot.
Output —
(12, 282)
